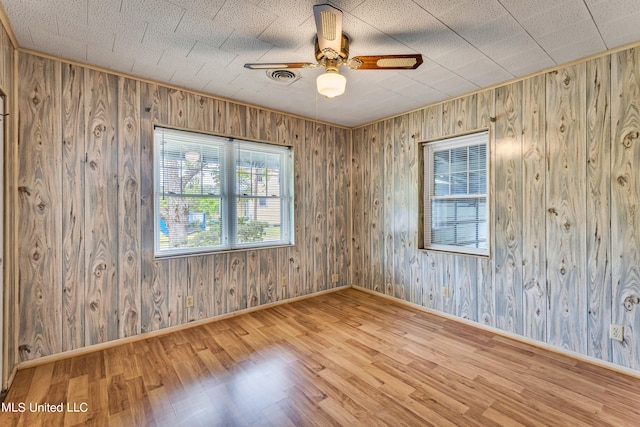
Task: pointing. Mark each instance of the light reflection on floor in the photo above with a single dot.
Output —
(233, 397)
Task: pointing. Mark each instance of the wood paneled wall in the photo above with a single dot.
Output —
(8, 90)
(87, 271)
(565, 191)
(565, 187)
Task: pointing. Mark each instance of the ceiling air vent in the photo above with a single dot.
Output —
(283, 76)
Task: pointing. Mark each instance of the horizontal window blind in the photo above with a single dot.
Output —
(214, 193)
(260, 173)
(455, 199)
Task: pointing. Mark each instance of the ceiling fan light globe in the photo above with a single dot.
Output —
(331, 84)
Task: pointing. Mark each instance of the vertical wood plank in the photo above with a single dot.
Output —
(356, 227)
(237, 278)
(12, 322)
(267, 125)
(129, 277)
(40, 214)
(460, 115)
(297, 259)
(160, 315)
(533, 213)
(430, 295)
(180, 286)
(5, 48)
(342, 207)
(282, 135)
(467, 113)
(319, 209)
(485, 288)
(201, 277)
(199, 112)
(465, 279)
(365, 189)
(155, 279)
(485, 110)
(252, 124)
(330, 189)
(432, 127)
(253, 278)
(508, 208)
(598, 226)
(309, 217)
(389, 186)
(7, 63)
(416, 120)
(101, 213)
(448, 118)
(401, 275)
(221, 279)
(625, 198)
(220, 124)
(566, 207)
(445, 278)
(236, 119)
(376, 206)
(282, 272)
(73, 232)
(268, 276)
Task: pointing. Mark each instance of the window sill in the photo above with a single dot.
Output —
(467, 254)
(221, 252)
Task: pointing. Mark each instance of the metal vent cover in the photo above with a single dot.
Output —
(283, 75)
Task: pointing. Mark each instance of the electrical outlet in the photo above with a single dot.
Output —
(188, 301)
(334, 278)
(284, 281)
(445, 291)
(616, 332)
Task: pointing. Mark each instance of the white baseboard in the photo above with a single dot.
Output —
(511, 335)
(143, 336)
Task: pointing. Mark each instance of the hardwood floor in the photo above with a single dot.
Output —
(345, 358)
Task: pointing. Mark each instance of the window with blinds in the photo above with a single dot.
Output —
(214, 193)
(455, 194)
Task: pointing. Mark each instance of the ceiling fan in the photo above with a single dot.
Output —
(332, 51)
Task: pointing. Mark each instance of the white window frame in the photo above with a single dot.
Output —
(228, 193)
(432, 147)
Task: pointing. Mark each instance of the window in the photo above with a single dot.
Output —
(209, 193)
(455, 194)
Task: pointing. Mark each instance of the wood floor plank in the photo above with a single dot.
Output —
(78, 391)
(345, 358)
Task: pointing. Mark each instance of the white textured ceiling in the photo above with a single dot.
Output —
(203, 44)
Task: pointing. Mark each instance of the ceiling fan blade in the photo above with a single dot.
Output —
(329, 26)
(276, 65)
(385, 62)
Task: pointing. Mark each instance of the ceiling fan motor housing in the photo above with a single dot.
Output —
(322, 56)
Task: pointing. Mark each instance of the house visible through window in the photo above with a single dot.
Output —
(455, 194)
(214, 193)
